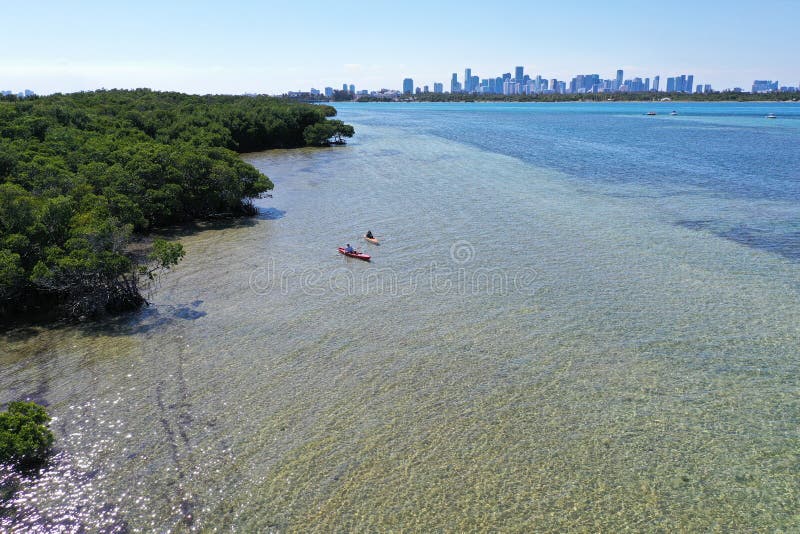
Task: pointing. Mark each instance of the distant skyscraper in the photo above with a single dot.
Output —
(352, 89)
(519, 75)
(554, 85)
(438, 87)
(468, 81)
(764, 86)
(344, 87)
(656, 82)
(425, 89)
(329, 92)
(689, 83)
(408, 86)
(619, 79)
(670, 85)
(455, 86)
(707, 88)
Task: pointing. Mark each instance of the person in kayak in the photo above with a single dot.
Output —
(369, 235)
(349, 249)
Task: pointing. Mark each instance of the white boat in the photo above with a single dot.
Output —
(772, 116)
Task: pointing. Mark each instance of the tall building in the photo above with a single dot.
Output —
(519, 74)
(352, 89)
(408, 86)
(689, 83)
(468, 81)
(455, 87)
(764, 86)
(344, 87)
(707, 88)
(329, 92)
(619, 79)
(554, 85)
(425, 89)
(438, 87)
(670, 85)
(656, 83)
(647, 84)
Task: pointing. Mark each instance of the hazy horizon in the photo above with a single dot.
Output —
(250, 47)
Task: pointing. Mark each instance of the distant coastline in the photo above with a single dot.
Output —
(727, 96)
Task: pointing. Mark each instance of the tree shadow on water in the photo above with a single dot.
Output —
(270, 214)
(144, 321)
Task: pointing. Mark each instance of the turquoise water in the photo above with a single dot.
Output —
(579, 317)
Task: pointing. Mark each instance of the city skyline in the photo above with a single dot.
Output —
(251, 47)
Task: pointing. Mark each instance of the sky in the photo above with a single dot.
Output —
(272, 47)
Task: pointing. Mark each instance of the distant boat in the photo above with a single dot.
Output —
(674, 113)
(772, 116)
(650, 113)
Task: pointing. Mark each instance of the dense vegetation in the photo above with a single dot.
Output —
(722, 96)
(24, 436)
(82, 174)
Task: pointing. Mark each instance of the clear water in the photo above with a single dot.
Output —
(579, 317)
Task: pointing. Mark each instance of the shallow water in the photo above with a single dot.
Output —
(581, 329)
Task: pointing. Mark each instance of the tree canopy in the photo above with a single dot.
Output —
(82, 174)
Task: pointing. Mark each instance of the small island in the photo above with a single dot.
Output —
(84, 175)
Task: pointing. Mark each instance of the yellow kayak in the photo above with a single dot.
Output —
(372, 240)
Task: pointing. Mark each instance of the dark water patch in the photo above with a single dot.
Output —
(270, 214)
(147, 320)
(699, 224)
(783, 244)
(189, 314)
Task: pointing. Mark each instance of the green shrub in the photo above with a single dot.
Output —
(24, 436)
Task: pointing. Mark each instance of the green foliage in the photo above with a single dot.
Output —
(11, 274)
(24, 436)
(165, 255)
(325, 133)
(80, 174)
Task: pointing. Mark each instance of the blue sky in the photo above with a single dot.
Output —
(271, 47)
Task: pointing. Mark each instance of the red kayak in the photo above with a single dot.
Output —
(354, 254)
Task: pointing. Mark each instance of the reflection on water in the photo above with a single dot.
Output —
(643, 377)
